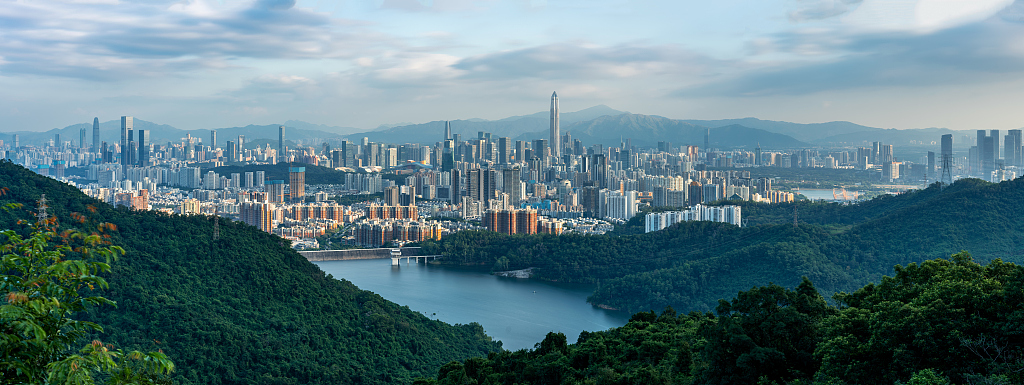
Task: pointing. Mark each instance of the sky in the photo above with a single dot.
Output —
(206, 64)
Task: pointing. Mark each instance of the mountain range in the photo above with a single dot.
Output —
(595, 125)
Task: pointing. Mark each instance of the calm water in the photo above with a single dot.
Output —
(518, 312)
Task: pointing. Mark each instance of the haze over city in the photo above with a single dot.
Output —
(205, 64)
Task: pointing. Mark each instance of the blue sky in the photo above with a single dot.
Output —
(208, 64)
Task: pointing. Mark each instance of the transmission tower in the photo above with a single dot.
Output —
(216, 222)
(947, 169)
(41, 215)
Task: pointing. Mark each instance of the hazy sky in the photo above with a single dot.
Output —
(207, 64)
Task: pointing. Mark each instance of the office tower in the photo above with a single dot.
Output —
(1012, 149)
(95, 134)
(505, 150)
(143, 148)
(281, 155)
(885, 154)
(757, 155)
(126, 127)
(475, 185)
(297, 185)
(81, 140)
(541, 148)
(510, 178)
(455, 190)
(447, 129)
(229, 152)
(17, 142)
(988, 152)
(213, 139)
(931, 165)
(556, 137)
(241, 144)
(707, 139)
(56, 140)
(105, 155)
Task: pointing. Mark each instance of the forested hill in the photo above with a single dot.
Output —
(691, 265)
(245, 309)
(945, 321)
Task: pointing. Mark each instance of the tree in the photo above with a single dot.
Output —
(45, 279)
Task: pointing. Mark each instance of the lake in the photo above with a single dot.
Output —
(519, 312)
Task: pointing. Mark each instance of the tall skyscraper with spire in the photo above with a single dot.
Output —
(95, 134)
(556, 137)
(447, 129)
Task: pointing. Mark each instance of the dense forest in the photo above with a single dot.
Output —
(244, 308)
(689, 266)
(943, 321)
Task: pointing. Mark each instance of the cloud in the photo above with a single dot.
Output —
(822, 9)
(978, 52)
(110, 42)
(584, 61)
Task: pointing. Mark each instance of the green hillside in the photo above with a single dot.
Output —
(840, 247)
(945, 321)
(245, 309)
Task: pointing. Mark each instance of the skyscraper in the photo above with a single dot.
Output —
(297, 185)
(126, 128)
(447, 129)
(143, 148)
(213, 139)
(95, 134)
(280, 144)
(81, 141)
(1012, 148)
(556, 137)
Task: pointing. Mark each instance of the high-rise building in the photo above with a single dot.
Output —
(707, 140)
(213, 139)
(447, 129)
(281, 154)
(81, 140)
(56, 140)
(95, 134)
(757, 154)
(241, 145)
(931, 165)
(126, 128)
(556, 137)
(275, 190)
(505, 150)
(988, 152)
(1012, 149)
(511, 180)
(143, 148)
(297, 185)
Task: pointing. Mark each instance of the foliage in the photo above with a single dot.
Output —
(944, 321)
(691, 265)
(46, 279)
(246, 309)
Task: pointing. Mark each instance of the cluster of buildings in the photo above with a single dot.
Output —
(730, 214)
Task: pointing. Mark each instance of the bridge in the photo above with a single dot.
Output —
(396, 255)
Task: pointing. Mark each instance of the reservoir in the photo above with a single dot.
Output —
(519, 312)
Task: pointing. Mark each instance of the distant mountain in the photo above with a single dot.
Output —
(428, 133)
(110, 132)
(920, 136)
(648, 130)
(573, 117)
(805, 132)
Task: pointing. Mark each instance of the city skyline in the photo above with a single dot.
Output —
(889, 64)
